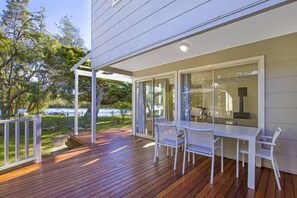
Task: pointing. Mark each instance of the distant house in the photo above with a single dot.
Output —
(227, 62)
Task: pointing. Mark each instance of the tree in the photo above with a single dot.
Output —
(24, 45)
(124, 108)
(69, 33)
(61, 77)
(115, 91)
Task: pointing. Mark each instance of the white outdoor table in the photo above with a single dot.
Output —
(231, 131)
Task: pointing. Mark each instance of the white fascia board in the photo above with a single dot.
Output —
(114, 76)
(82, 61)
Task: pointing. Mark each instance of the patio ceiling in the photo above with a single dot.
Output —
(277, 22)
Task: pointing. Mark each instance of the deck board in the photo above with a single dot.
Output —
(121, 165)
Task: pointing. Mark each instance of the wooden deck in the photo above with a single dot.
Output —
(121, 165)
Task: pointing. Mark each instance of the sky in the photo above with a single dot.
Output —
(78, 10)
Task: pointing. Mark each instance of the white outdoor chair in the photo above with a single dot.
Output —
(161, 120)
(167, 135)
(262, 152)
(202, 142)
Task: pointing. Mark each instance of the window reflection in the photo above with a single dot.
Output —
(235, 99)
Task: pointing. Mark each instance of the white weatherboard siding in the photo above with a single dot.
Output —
(131, 27)
(274, 23)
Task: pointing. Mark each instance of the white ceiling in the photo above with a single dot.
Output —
(276, 22)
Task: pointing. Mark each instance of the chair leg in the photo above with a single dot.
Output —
(193, 158)
(167, 150)
(189, 157)
(237, 158)
(212, 168)
(175, 160)
(243, 158)
(275, 174)
(171, 151)
(222, 155)
(184, 161)
(156, 150)
(276, 166)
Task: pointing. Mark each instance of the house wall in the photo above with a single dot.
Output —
(280, 88)
(131, 27)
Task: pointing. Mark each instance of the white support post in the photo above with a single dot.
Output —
(37, 139)
(76, 103)
(94, 107)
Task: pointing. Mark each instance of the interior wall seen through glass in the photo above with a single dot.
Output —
(236, 95)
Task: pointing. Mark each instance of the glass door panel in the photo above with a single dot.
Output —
(144, 110)
(154, 101)
(164, 99)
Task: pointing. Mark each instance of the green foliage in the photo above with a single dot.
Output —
(61, 77)
(24, 47)
(69, 33)
(124, 108)
(115, 91)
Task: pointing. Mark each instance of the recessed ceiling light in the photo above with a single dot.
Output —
(184, 48)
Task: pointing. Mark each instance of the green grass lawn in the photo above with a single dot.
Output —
(54, 140)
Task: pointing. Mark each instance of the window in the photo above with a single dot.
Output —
(226, 93)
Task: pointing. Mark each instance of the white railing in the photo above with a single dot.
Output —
(30, 152)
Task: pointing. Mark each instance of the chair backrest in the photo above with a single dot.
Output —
(199, 137)
(276, 135)
(166, 131)
(160, 120)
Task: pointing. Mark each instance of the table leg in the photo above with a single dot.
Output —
(252, 163)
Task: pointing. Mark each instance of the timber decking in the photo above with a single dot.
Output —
(121, 165)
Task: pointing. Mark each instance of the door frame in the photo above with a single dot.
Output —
(135, 80)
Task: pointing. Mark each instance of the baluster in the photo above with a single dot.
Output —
(27, 139)
(17, 141)
(6, 143)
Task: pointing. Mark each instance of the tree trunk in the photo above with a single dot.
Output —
(98, 102)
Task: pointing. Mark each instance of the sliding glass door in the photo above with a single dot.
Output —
(144, 108)
(154, 101)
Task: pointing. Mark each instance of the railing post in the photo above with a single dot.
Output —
(37, 139)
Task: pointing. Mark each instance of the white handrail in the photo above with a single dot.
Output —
(35, 131)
